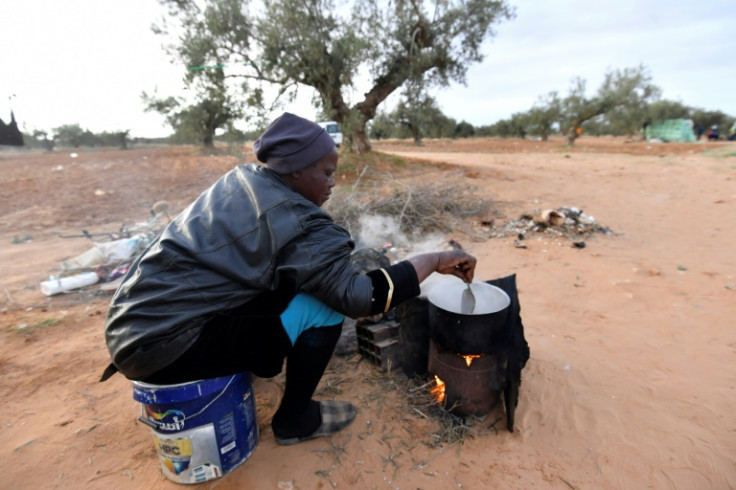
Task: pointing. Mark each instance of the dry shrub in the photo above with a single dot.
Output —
(419, 207)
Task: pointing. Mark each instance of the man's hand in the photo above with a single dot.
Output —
(457, 263)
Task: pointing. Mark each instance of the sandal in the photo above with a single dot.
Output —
(335, 417)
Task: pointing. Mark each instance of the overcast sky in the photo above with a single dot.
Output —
(86, 62)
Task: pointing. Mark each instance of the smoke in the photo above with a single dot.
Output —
(382, 232)
(375, 231)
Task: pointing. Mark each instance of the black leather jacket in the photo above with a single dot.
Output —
(247, 234)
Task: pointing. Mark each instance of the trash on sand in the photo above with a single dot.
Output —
(563, 222)
(24, 238)
(161, 208)
(549, 217)
(108, 262)
(104, 253)
(63, 284)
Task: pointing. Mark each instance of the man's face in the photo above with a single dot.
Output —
(316, 181)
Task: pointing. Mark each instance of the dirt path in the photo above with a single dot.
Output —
(632, 339)
(632, 376)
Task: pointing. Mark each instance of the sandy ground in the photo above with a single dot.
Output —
(632, 376)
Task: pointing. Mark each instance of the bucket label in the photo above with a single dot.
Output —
(191, 457)
(175, 454)
(170, 420)
(202, 429)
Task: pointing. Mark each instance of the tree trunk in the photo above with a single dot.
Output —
(359, 142)
(416, 134)
(572, 131)
(644, 131)
(209, 141)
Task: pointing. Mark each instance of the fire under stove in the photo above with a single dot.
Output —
(466, 384)
(476, 359)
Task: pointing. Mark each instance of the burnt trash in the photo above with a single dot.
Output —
(563, 222)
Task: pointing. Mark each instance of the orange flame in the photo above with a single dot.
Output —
(439, 390)
(469, 358)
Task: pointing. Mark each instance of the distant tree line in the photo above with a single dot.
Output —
(624, 105)
(418, 122)
(73, 136)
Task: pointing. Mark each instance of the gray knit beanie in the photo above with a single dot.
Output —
(291, 143)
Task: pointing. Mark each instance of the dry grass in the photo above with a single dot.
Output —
(451, 429)
(395, 393)
(419, 206)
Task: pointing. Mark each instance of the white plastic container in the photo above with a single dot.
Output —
(63, 284)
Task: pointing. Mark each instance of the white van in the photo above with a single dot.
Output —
(333, 130)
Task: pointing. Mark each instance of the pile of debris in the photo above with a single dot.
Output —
(107, 262)
(564, 222)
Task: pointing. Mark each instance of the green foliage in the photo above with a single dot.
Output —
(70, 135)
(73, 136)
(323, 45)
(425, 119)
(464, 130)
(542, 119)
(382, 126)
(623, 104)
(212, 106)
(708, 119)
(662, 110)
(506, 128)
(628, 95)
(418, 115)
(577, 108)
(199, 121)
(41, 139)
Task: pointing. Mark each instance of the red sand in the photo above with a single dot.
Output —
(632, 376)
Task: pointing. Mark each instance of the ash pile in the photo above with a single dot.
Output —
(564, 222)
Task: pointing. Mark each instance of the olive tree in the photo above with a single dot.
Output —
(631, 93)
(382, 126)
(542, 118)
(628, 91)
(198, 121)
(419, 114)
(69, 135)
(662, 110)
(354, 54)
(708, 119)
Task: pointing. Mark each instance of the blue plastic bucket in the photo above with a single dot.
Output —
(203, 429)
